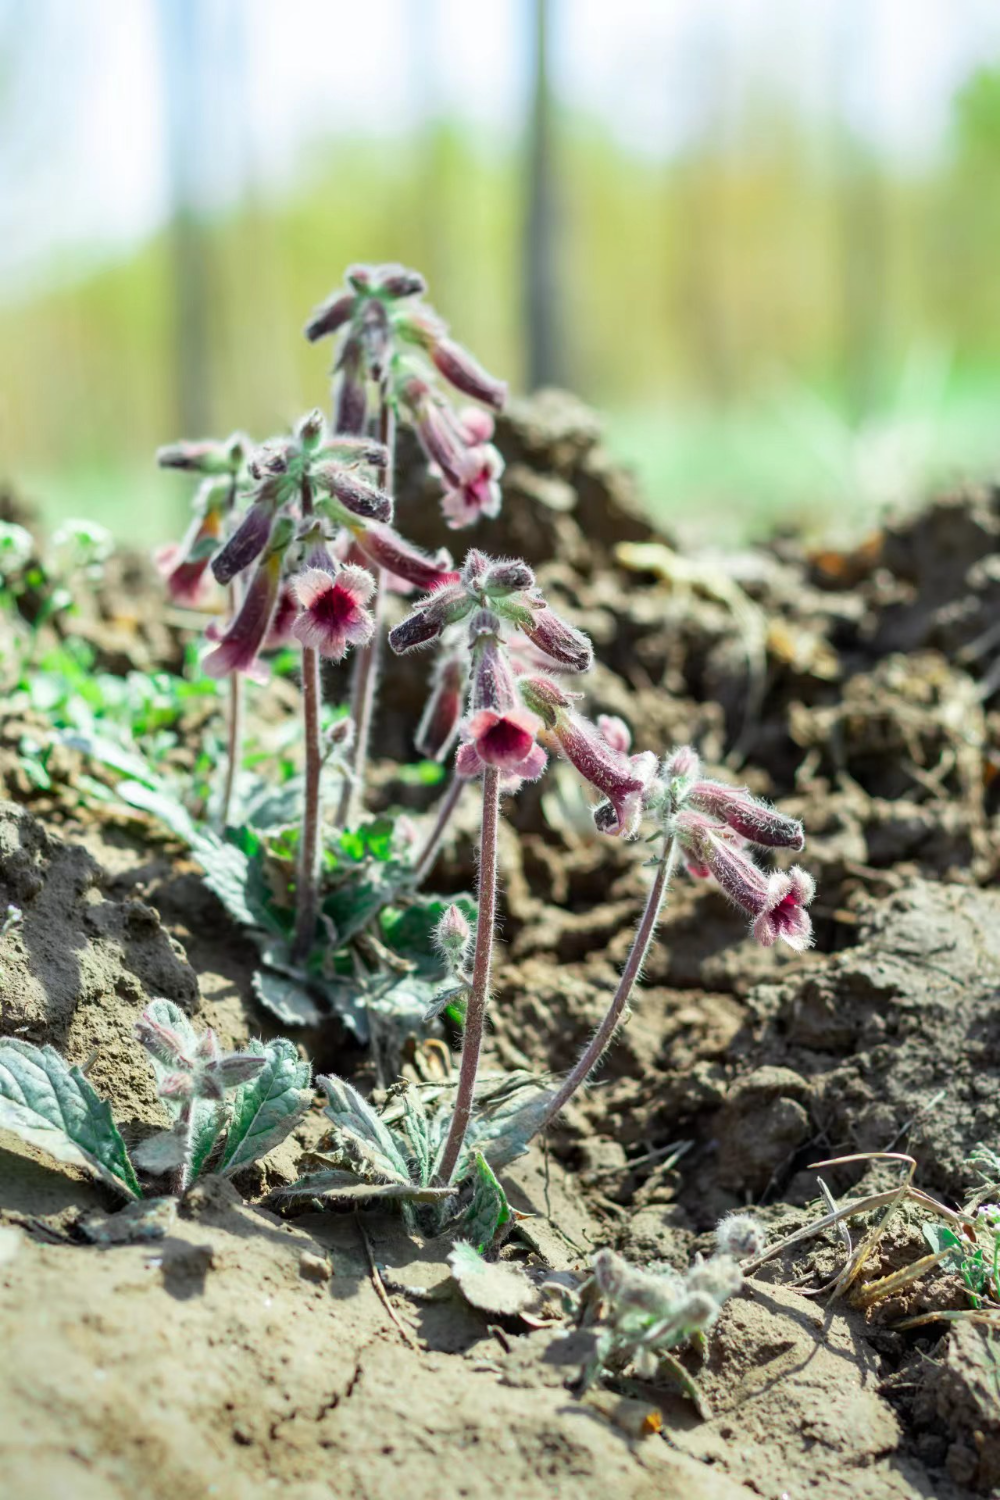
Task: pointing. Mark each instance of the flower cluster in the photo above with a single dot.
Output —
(388, 336)
(312, 517)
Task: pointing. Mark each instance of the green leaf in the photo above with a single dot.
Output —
(361, 1133)
(372, 840)
(269, 1106)
(207, 1117)
(409, 931)
(939, 1237)
(52, 1106)
(489, 1210)
(504, 1291)
(286, 998)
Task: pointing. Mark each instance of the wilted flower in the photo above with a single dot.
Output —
(623, 780)
(183, 566)
(440, 719)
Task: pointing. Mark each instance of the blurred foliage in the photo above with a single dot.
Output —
(748, 312)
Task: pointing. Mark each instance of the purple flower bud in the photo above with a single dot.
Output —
(551, 634)
(330, 315)
(352, 394)
(682, 763)
(430, 617)
(493, 683)
(545, 698)
(162, 1042)
(616, 732)
(461, 370)
(361, 278)
(341, 733)
(273, 458)
(452, 935)
(436, 431)
(310, 430)
(399, 281)
(361, 499)
(238, 648)
(440, 719)
(775, 902)
(176, 1086)
(346, 448)
(247, 541)
(475, 569)
(623, 780)
(508, 576)
(388, 549)
(373, 330)
(204, 457)
(746, 815)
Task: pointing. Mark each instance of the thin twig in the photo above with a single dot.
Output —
(380, 1290)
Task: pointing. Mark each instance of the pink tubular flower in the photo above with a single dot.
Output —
(461, 370)
(248, 540)
(616, 732)
(183, 565)
(776, 903)
(237, 650)
(386, 548)
(279, 632)
(439, 722)
(504, 738)
(333, 615)
(469, 764)
(624, 780)
(568, 647)
(477, 490)
(752, 819)
(476, 425)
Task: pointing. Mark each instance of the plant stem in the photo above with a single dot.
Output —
(475, 1016)
(307, 893)
(364, 677)
(601, 1040)
(425, 859)
(234, 727)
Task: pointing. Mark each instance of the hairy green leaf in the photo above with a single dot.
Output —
(288, 999)
(269, 1106)
(489, 1210)
(52, 1106)
(501, 1290)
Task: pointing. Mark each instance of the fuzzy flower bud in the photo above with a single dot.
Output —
(205, 457)
(740, 1235)
(183, 567)
(352, 394)
(751, 818)
(616, 732)
(545, 698)
(452, 936)
(461, 370)
(330, 315)
(568, 647)
(493, 683)
(357, 497)
(397, 281)
(623, 780)
(440, 719)
(508, 576)
(387, 549)
(247, 541)
(430, 617)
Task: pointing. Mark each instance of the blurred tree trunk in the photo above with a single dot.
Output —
(183, 87)
(541, 270)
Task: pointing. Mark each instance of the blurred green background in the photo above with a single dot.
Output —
(761, 235)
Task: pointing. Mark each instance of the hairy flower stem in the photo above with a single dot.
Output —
(234, 726)
(364, 677)
(601, 1040)
(424, 861)
(307, 893)
(475, 1015)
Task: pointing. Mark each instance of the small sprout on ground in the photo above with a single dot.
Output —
(229, 1108)
(12, 918)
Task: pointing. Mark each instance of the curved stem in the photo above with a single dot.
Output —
(364, 676)
(475, 1015)
(424, 861)
(601, 1040)
(307, 891)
